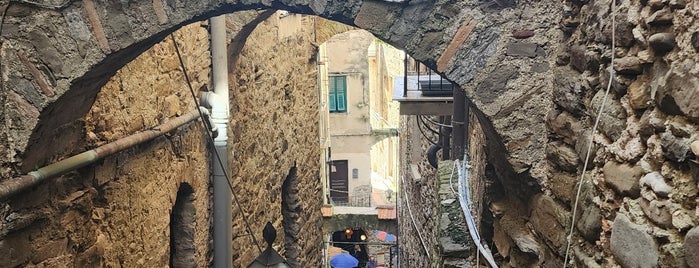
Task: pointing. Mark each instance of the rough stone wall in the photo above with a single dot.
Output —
(117, 212)
(435, 208)
(639, 204)
(274, 114)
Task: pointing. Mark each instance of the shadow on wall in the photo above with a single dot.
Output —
(182, 228)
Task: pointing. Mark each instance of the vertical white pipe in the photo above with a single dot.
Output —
(219, 116)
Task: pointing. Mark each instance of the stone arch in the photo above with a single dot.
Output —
(72, 50)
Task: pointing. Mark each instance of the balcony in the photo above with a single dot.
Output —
(422, 92)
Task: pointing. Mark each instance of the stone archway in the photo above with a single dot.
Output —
(55, 59)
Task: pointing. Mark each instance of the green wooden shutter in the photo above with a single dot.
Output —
(341, 93)
(332, 99)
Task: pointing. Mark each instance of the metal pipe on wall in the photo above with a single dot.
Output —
(15, 185)
(223, 237)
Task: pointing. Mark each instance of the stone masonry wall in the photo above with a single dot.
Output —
(275, 129)
(117, 212)
(639, 203)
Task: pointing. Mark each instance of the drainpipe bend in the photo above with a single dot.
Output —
(15, 185)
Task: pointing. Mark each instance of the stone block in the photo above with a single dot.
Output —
(674, 148)
(657, 212)
(568, 92)
(522, 49)
(631, 244)
(639, 93)
(589, 222)
(14, 250)
(550, 220)
(613, 119)
(691, 247)
(562, 186)
(50, 249)
(679, 93)
(628, 65)
(662, 43)
(657, 183)
(562, 156)
(564, 125)
(623, 178)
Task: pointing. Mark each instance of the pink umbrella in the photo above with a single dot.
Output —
(382, 235)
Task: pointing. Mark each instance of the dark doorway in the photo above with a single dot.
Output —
(182, 228)
(339, 184)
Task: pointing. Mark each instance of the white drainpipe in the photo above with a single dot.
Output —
(218, 101)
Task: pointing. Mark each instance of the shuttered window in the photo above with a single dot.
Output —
(337, 98)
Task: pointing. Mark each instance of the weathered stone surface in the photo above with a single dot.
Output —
(522, 49)
(14, 251)
(495, 83)
(657, 183)
(660, 17)
(691, 247)
(564, 125)
(631, 245)
(695, 147)
(682, 220)
(628, 65)
(562, 186)
(582, 143)
(522, 34)
(550, 220)
(662, 43)
(589, 222)
(613, 119)
(568, 92)
(639, 93)
(695, 40)
(623, 178)
(679, 93)
(49, 250)
(562, 156)
(674, 148)
(582, 59)
(657, 211)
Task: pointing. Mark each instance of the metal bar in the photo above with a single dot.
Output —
(405, 75)
(459, 123)
(12, 186)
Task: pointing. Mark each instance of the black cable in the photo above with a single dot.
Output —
(211, 139)
(422, 119)
(422, 132)
(437, 123)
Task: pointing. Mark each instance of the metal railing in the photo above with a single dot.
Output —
(428, 81)
(351, 201)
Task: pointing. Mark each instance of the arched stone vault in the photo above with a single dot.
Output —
(55, 60)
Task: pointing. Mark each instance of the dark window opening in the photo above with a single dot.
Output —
(182, 228)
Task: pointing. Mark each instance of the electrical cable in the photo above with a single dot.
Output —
(438, 124)
(434, 131)
(592, 135)
(423, 132)
(211, 139)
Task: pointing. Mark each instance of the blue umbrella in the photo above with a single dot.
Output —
(343, 260)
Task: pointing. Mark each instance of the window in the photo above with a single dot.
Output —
(338, 94)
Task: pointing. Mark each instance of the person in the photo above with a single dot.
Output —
(372, 263)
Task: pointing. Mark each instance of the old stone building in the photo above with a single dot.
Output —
(536, 73)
